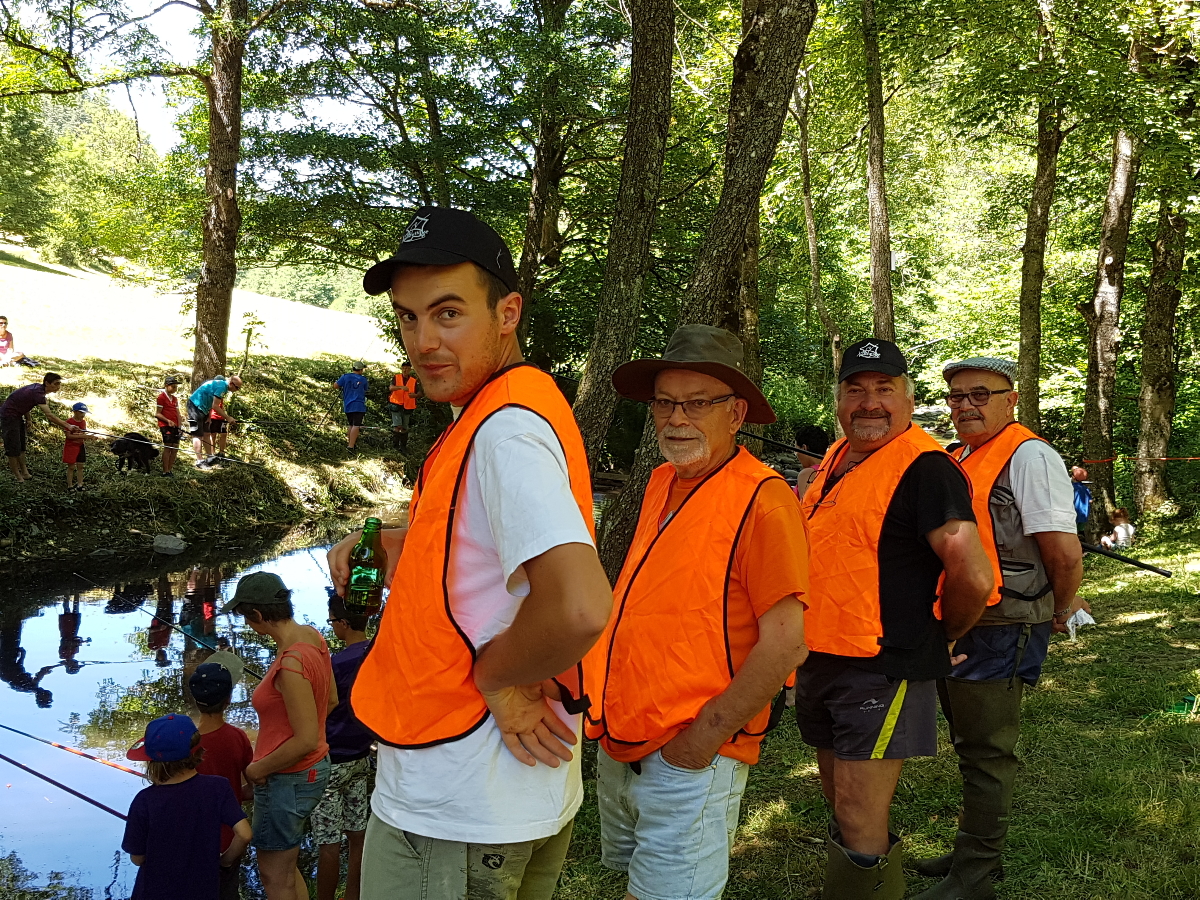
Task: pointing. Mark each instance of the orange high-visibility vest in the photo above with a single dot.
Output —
(416, 688)
(983, 466)
(844, 524)
(404, 391)
(666, 651)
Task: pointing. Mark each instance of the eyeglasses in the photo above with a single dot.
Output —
(332, 621)
(978, 398)
(693, 409)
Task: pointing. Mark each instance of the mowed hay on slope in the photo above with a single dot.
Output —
(72, 314)
(1108, 798)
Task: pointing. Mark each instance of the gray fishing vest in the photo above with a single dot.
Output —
(1025, 596)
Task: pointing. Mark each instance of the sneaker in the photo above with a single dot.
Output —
(167, 474)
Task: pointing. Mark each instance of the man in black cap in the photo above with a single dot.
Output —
(502, 590)
(888, 514)
(709, 625)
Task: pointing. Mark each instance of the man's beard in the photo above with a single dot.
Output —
(683, 455)
(870, 428)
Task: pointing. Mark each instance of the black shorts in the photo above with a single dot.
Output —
(197, 420)
(218, 426)
(864, 715)
(355, 419)
(12, 428)
(170, 436)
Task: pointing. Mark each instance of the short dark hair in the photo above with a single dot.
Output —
(279, 611)
(50, 377)
(161, 772)
(337, 610)
(496, 289)
(813, 437)
(211, 708)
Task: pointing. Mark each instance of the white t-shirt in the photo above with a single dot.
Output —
(517, 504)
(1042, 488)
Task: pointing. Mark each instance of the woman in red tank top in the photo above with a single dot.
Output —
(291, 758)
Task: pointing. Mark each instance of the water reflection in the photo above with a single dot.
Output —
(91, 658)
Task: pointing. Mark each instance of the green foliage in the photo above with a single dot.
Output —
(26, 145)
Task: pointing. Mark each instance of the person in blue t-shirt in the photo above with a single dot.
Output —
(199, 413)
(1083, 495)
(346, 805)
(173, 833)
(354, 401)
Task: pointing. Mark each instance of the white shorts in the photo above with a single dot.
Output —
(671, 829)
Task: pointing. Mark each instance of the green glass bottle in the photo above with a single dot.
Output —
(368, 565)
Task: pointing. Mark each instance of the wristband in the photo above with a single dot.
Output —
(1062, 612)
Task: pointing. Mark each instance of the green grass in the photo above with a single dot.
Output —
(1108, 798)
(13, 259)
(298, 468)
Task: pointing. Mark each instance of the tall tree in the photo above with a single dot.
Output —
(1033, 263)
(1156, 402)
(881, 230)
(70, 38)
(1102, 315)
(649, 118)
(775, 33)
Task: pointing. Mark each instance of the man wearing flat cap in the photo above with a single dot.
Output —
(888, 515)
(1025, 509)
(707, 624)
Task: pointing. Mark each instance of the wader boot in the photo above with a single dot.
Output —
(858, 876)
(395, 440)
(986, 717)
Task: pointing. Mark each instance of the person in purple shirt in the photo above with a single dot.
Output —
(346, 806)
(16, 418)
(173, 833)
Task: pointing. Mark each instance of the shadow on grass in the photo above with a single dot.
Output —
(12, 259)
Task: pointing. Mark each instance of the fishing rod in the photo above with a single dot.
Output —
(63, 787)
(780, 444)
(73, 750)
(166, 622)
(150, 443)
(1128, 560)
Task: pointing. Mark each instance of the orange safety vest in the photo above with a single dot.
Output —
(404, 392)
(666, 651)
(983, 466)
(844, 524)
(416, 687)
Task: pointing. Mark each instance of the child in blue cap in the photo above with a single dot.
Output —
(173, 833)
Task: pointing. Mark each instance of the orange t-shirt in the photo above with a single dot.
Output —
(274, 729)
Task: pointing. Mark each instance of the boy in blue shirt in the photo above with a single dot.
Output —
(173, 833)
(354, 401)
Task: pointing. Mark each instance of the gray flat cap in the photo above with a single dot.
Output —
(1005, 367)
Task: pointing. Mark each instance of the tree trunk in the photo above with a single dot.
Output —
(1156, 403)
(742, 320)
(1102, 315)
(877, 206)
(764, 77)
(1033, 265)
(653, 25)
(222, 217)
(833, 334)
(433, 112)
(541, 219)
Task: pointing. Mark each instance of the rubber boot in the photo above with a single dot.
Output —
(847, 879)
(404, 442)
(986, 719)
(395, 440)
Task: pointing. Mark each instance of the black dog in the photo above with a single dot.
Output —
(134, 450)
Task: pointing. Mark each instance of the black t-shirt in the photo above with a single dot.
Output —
(931, 493)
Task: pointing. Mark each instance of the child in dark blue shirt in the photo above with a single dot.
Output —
(174, 829)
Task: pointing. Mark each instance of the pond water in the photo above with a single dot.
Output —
(83, 662)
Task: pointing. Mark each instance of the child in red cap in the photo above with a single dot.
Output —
(173, 833)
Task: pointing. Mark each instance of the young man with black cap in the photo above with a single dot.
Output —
(473, 682)
(888, 514)
(707, 626)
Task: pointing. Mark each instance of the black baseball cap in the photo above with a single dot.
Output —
(211, 684)
(442, 236)
(872, 355)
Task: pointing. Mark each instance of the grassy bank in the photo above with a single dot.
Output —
(294, 465)
(1108, 799)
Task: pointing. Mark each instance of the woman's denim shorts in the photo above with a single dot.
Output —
(282, 805)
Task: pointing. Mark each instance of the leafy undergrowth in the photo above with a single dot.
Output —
(1108, 798)
(292, 465)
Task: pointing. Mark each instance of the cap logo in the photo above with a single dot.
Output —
(416, 229)
(869, 351)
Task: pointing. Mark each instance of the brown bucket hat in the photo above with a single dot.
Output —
(697, 348)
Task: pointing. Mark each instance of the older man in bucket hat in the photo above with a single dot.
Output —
(1024, 506)
(708, 623)
(887, 515)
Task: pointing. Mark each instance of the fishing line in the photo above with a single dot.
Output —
(73, 750)
(63, 787)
